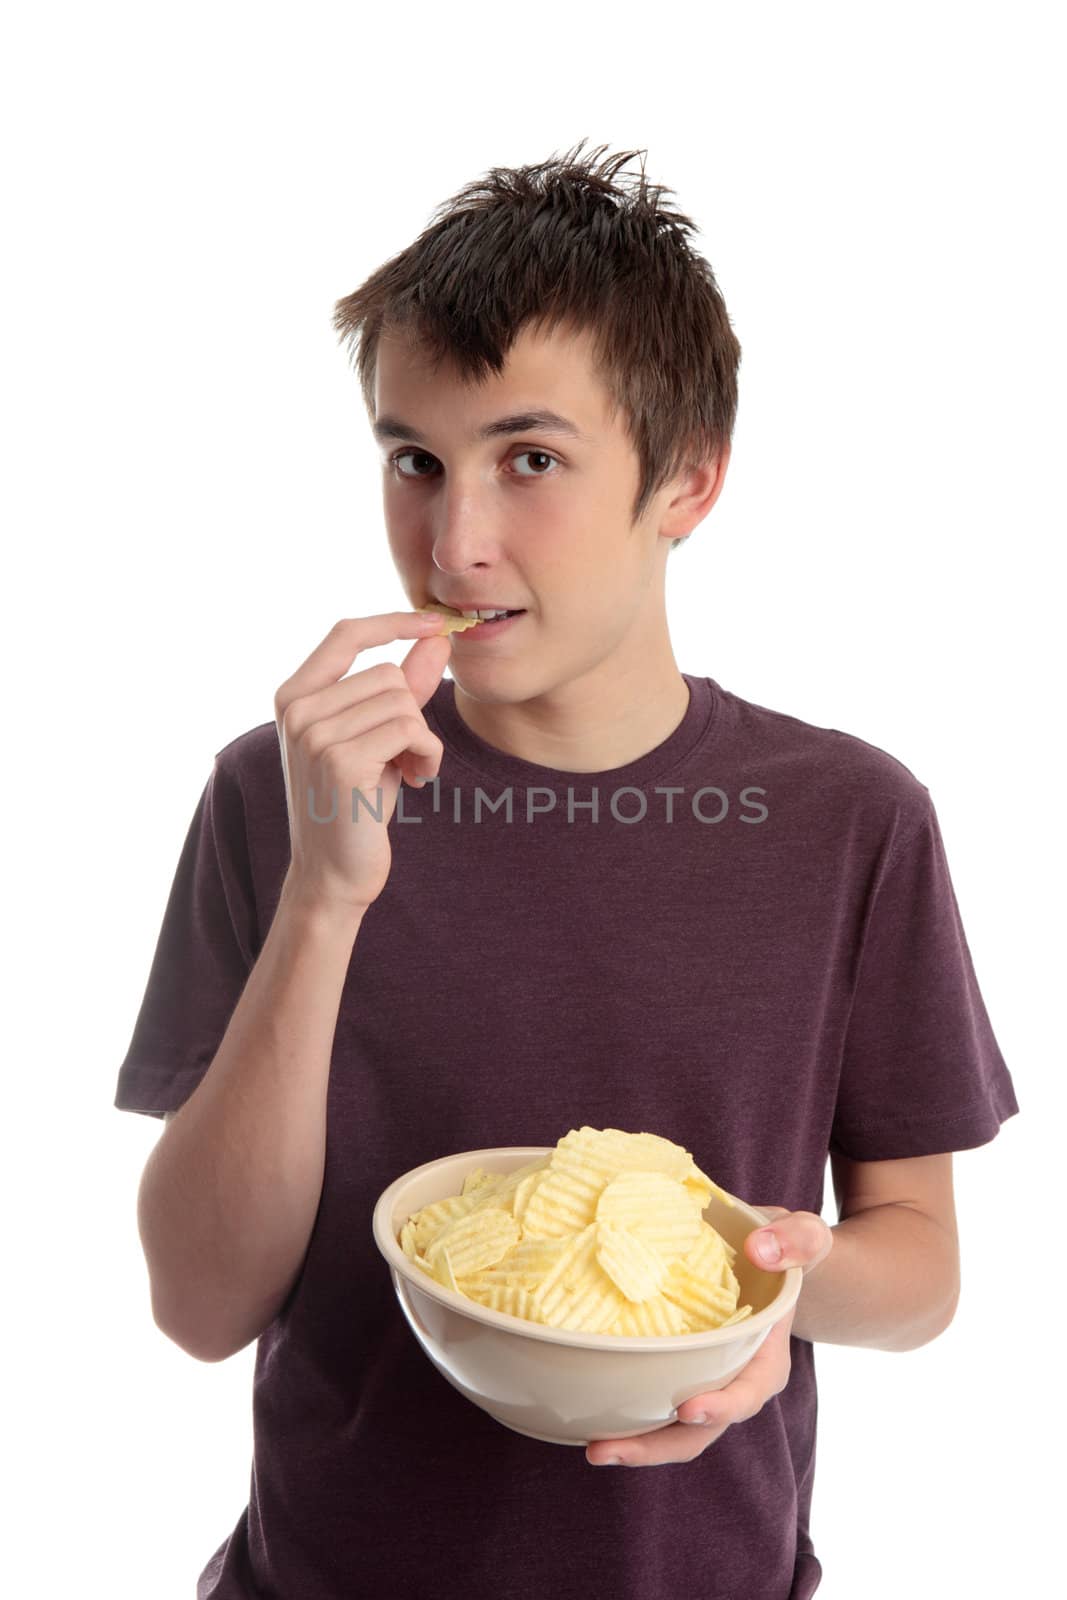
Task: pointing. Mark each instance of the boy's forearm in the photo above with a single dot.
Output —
(891, 1282)
(230, 1192)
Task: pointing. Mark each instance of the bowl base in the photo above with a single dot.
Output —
(548, 1438)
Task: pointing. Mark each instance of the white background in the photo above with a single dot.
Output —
(193, 499)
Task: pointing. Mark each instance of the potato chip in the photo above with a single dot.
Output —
(575, 1293)
(511, 1182)
(475, 1241)
(455, 621)
(531, 1258)
(513, 1299)
(442, 1269)
(481, 1183)
(657, 1208)
(703, 1304)
(603, 1234)
(648, 1318)
(563, 1203)
(524, 1192)
(739, 1316)
(432, 1218)
(612, 1151)
(708, 1255)
(631, 1264)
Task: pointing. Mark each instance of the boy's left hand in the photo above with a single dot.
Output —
(806, 1240)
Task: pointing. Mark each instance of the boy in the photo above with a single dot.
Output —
(678, 912)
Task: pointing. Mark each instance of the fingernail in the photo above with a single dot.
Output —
(700, 1417)
(768, 1248)
(609, 1461)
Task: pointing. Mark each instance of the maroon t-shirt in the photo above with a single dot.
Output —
(751, 947)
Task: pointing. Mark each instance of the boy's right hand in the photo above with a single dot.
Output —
(364, 732)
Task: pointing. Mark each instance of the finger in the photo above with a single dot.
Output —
(332, 658)
(656, 1449)
(377, 722)
(765, 1376)
(358, 688)
(424, 665)
(798, 1239)
(378, 698)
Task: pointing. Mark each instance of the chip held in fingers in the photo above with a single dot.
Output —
(454, 621)
(603, 1234)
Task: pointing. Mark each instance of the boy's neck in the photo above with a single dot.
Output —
(590, 725)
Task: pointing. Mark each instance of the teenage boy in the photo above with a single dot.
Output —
(630, 898)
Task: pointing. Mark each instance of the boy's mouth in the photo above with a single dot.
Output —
(472, 617)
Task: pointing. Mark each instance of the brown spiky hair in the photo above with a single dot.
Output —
(563, 244)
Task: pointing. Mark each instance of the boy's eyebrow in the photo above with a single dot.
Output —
(521, 422)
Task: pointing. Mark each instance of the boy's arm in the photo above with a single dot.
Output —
(892, 1279)
(887, 1276)
(229, 1194)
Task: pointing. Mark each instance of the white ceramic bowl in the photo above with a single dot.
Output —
(550, 1383)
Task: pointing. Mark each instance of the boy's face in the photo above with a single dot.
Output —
(534, 518)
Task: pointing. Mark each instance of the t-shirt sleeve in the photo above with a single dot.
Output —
(921, 1070)
(204, 953)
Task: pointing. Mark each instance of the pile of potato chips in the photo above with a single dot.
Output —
(604, 1234)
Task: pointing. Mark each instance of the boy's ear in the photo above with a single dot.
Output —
(699, 488)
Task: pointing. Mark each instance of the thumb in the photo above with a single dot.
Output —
(424, 665)
(767, 1246)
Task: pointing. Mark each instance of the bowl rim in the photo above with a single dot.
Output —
(667, 1343)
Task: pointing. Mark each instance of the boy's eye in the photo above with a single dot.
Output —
(424, 455)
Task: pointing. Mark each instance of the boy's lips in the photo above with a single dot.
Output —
(476, 605)
(482, 632)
